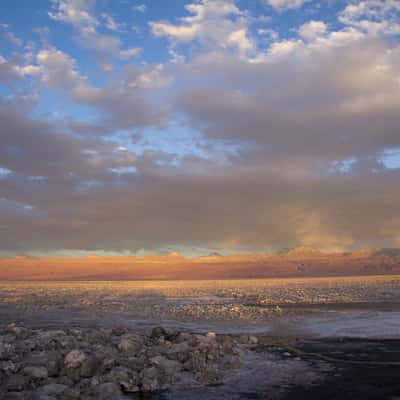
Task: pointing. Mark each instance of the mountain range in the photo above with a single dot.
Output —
(297, 262)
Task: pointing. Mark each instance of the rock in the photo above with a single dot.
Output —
(179, 351)
(129, 387)
(253, 340)
(207, 344)
(72, 394)
(210, 375)
(118, 374)
(127, 379)
(16, 396)
(52, 389)
(278, 310)
(131, 344)
(36, 372)
(212, 335)
(17, 382)
(227, 344)
(16, 330)
(54, 363)
(89, 366)
(150, 379)
(6, 350)
(8, 367)
(74, 359)
(65, 380)
(245, 339)
(41, 396)
(196, 363)
(108, 391)
(118, 331)
(136, 363)
(95, 381)
(182, 347)
(169, 367)
(183, 337)
(158, 332)
(108, 364)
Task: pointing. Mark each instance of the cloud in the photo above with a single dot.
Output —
(80, 14)
(74, 12)
(140, 7)
(12, 71)
(214, 23)
(125, 103)
(312, 29)
(10, 37)
(267, 145)
(33, 148)
(375, 17)
(129, 53)
(112, 24)
(331, 98)
(59, 70)
(286, 4)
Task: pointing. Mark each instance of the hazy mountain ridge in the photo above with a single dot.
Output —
(294, 262)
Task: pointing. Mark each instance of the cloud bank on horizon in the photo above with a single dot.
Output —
(130, 126)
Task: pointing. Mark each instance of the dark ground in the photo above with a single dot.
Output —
(363, 369)
(358, 369)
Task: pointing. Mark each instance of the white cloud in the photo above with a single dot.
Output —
(11, 71)
(129, 53)
(75, 12)
(58, 69)
(284, 47)
(112, 24)
(140, 7)
(268, 32)
(214, 23)
(80, 14)
(10, 37)
(286, 4)
(312, 29)
(375, 17)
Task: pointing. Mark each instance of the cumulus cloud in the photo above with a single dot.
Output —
(344, 105)
(59, 70)
(11, 70)
(215, 23)
(312, 29)
(75, 12)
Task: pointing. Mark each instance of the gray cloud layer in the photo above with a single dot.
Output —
(290, 150)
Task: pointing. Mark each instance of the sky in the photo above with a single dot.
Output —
(135, 127)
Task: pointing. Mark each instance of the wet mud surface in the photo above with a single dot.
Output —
(360, 368)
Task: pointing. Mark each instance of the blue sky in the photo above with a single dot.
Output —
(198, 125)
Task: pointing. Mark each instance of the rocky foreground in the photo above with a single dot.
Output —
(39, 364)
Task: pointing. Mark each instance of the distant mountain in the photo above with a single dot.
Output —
(297, 262)
(303, 251)
(388, 252)
(212, 254)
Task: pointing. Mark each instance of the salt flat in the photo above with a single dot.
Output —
(329, 306)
